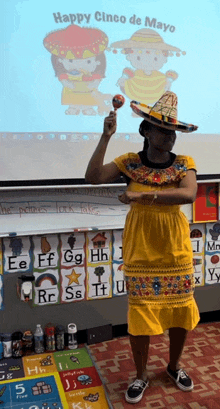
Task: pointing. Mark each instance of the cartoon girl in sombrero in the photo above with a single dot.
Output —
(79, 63)
(147, 53)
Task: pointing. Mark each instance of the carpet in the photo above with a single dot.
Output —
(200, 359)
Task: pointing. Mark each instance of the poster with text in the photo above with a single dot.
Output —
(205, 207)
(212, 253)
(99, 264)
(73, 284)
(118, 281)
(17, 255)
(46, 252)
(197, 236)
(46, 287)
(72, 250)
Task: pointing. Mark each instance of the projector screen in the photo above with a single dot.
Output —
(62, 62)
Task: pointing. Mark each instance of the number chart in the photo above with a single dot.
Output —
(61, 380)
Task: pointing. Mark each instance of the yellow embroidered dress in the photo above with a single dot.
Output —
(157, 251)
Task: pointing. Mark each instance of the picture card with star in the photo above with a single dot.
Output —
(73, 284)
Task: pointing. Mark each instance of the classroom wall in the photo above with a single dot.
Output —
(86, 314)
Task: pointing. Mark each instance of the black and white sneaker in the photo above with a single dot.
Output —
(181, 378)
(136, 390)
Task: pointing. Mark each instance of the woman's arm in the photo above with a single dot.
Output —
(185, 193)
(96, 172)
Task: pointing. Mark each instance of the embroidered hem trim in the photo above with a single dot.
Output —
(162, 289)
(165, 303)
(131, 270)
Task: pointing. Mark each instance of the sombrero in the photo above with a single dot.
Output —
(163, 113)
(76, 42)
(147, 39)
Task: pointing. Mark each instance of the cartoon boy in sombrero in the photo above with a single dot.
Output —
(78, 58)
(147, 53)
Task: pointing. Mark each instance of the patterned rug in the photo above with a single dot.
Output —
(201, 360)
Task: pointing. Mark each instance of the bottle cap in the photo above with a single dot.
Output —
(72, 329)
(49, 329)
(60, 329)
(6, 337)
(17, 335)
(27, 335)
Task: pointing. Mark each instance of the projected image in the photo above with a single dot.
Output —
(147, 53)
(63, 62)
(79, 62)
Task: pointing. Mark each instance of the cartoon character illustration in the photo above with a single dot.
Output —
(16, 246)
(147, 53)
(79, 63)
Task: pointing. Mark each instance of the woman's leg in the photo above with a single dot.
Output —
(140, 347)
(177, 340)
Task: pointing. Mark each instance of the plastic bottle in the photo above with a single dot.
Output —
(27, 340)
(60, 331)
(17, 351)
(7, 345)
(50, 337)
(72, 339)
(39, 340)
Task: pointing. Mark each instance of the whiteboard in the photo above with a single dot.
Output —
(31, 212)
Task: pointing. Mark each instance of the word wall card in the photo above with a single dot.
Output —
(197, 236)
(99, 265)
(46, 269)
(118, 281)
(72, 269)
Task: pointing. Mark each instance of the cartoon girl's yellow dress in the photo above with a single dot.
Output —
(157, 251)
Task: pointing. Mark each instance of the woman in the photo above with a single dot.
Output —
(157, 251)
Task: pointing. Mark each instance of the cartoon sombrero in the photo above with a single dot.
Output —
(148, 39)
(76, 42)
(163, 113)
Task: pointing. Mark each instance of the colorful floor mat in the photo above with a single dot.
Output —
(201, 360)
(60, 380)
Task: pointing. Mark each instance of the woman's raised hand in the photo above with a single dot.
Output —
(110, 124)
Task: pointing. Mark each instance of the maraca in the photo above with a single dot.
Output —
(117, 101)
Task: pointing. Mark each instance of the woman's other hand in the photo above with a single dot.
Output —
(110, 124)
(128, 197)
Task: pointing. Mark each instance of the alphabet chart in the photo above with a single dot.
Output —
(88, 265)
(212, 253)
(197, 235)
(60, 380)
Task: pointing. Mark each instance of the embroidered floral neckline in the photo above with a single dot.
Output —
(140, 173)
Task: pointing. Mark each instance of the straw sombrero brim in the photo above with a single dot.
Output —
(142, 44)
(160, 120)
